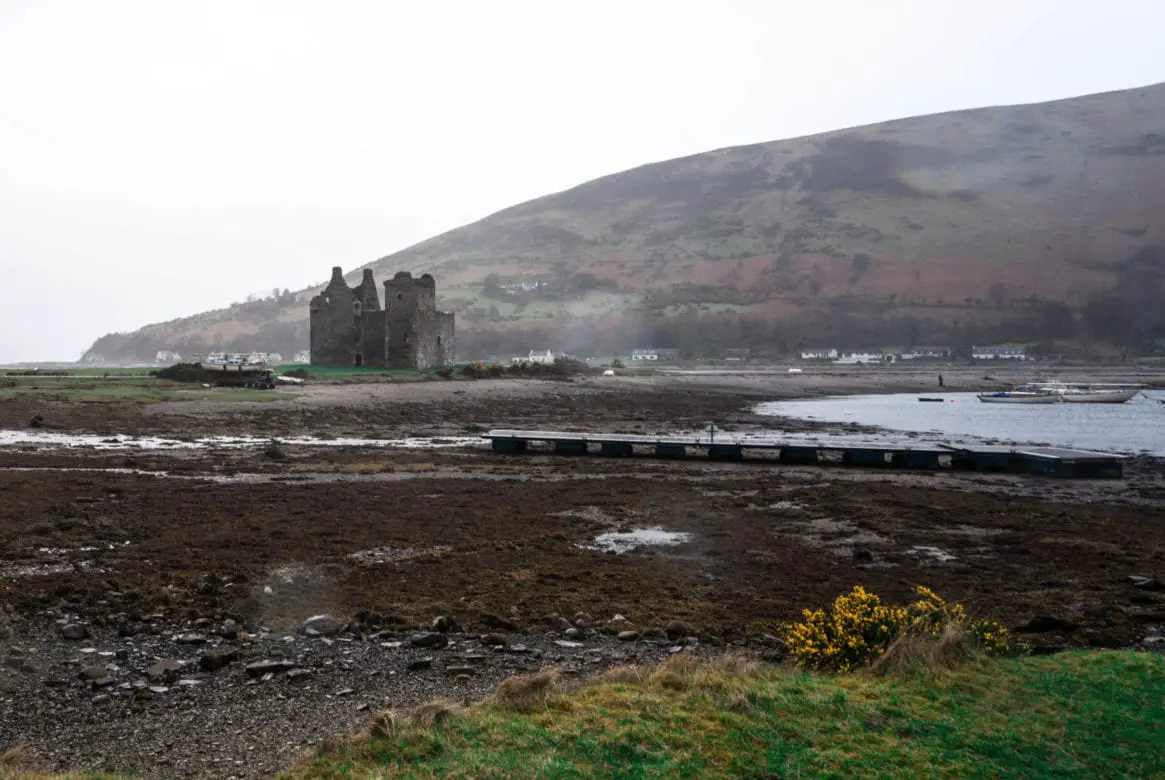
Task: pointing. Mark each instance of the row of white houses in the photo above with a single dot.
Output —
(169, 357)
(990, 352)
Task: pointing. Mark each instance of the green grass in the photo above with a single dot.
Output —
(1086, 714)
(145, 392)
(338, 371)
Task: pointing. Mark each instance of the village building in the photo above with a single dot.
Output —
(349, 327)
(655, 354)
(544, 357)
(999, 352)
(863, 358)
(926, 353)
(819, 354)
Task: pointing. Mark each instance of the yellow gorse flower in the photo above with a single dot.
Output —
(858, 627)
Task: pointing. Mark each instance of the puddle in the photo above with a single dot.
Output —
(728, 493)
(973, 531)
(260, 478)
(26, 570)
(934, 553)
(59, 562)
(625, 541)
(378, 555)
(839, 537)
(51, 440)
(591, 514)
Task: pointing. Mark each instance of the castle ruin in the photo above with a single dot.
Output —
(349, 327)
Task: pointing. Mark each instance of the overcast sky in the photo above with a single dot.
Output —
(160, 158)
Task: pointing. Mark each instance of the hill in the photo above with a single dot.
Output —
(1036, 221)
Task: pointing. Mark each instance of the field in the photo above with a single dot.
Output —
(156, 551)
(139, 388)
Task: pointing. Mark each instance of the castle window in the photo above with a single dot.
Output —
(438, 341)
(357, 306)
(400, 296)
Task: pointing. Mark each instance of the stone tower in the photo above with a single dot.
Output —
(419, 336)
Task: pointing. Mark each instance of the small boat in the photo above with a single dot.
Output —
(1098, 396)
(1018, 397)
(932, 400)
(220, 363)
(1088, 393)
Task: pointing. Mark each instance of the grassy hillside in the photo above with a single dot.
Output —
(1095, 714)
(1080, 714)
(973, 220)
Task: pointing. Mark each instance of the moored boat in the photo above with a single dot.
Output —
(1098, 396)
(1019, 397)
(1088, 393)
(233, 364)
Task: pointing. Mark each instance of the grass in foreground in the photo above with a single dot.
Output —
(1087, 714)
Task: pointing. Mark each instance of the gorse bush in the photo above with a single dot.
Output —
(858, 628)
(481, 370)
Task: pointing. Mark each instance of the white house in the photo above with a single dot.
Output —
(303, 356)
(930, 353)
(999, 352)
(862, 358)
(655, 354)
(545, 357)
(166, 356)
(819, 354)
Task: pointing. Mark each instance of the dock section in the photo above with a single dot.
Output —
(1042, 461)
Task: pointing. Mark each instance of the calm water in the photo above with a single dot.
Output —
(1136, 426)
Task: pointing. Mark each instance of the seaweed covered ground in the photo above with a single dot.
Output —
(157, 603)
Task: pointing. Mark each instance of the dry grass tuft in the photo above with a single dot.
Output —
(389, 724)
(685, 670)
(628, 674)
(524, 692)
(718, 673)
(736, 665)
(676, 673)
(18, 763)
(17, 758)
(433, 713)
(383, 726)
(920, 652)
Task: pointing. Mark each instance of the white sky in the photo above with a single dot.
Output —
(163, 157)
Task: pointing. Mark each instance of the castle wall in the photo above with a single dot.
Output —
(334, 326)
(373, 349)
(432, 343)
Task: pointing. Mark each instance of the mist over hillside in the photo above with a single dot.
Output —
(1033, 222)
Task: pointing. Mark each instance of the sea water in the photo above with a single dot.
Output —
(1134, 427)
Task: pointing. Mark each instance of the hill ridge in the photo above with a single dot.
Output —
(1018, 221)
